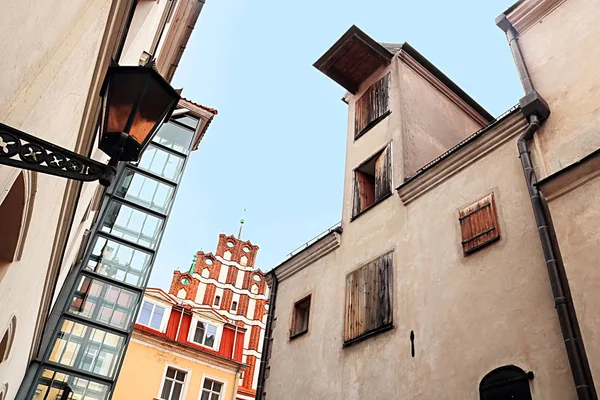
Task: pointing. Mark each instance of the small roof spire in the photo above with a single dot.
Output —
(191, 271)
(241, 224)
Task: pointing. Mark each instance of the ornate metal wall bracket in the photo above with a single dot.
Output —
(22, 150)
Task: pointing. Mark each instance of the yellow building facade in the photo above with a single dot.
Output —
(158, 367)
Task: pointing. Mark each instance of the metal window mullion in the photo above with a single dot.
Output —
(113, 282)
(96, 325)
(126, 242)
(72, 372)
(170, 150)
(152, 175)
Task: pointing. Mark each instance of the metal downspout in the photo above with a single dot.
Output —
(267, 339)
(536, 110)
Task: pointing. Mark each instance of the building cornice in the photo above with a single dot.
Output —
(312, 253)
(418, 68)
(187, 352)
(527, 13)
(571, 177)
(513, 125)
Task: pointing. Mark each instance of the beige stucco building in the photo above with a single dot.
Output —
(51, 81)
(437, 283)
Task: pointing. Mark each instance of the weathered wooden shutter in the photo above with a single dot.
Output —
(368, 298)
(356, 200)
(383, 174)
(372, 106)
(479, 224)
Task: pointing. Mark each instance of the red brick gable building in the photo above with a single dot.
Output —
(228, 282)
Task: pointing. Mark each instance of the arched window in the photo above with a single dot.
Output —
(508, 382)
(7, 339)
(234, 306)
(217, 300)
(15, 209)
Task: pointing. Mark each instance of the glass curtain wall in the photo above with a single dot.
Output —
(85, 353)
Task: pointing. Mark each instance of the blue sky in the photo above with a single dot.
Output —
(277, 146)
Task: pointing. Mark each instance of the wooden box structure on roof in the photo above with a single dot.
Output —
(352, 59)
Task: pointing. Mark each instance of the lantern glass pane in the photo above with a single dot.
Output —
(153, 105)
(123, 91)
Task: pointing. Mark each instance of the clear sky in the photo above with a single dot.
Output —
(277, 146)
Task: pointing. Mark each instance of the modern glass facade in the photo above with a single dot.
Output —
(95, 313)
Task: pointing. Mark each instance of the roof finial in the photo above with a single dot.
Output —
(241, 224)
(191, 271)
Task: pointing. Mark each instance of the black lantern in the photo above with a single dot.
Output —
(136, 100)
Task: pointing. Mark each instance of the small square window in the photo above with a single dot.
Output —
(372, 181)
(479, 224)
(300, 317)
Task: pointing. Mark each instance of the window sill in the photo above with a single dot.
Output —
(371, 206)
(371, 125)
(367, 335)
(297, 335)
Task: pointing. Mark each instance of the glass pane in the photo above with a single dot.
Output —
(119, 262)
(176, 391)
(180, 376)
(205, 396)
(102, 302)
(174, 137)
(56, 385)
(166, 389)
(157, 317)
(146, 191)
(171, 372)
(86, 348)
(132, 224)
(187, 121)
(217, 387)
(161, 163)
(145, 314)
(215, 397)
(211, 335)
(199, 334)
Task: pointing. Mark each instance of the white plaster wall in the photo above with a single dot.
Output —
(562, 54)
(45, 81)
(469, 314)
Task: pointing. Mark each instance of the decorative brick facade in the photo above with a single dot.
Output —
(218, 274)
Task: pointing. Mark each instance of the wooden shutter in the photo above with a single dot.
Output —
(479, 224)
(383, 174)
(368, 298)
(372, 106)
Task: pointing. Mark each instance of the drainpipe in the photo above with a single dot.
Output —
(536, 111)
(234, 340)
(235, 383)
(179, 325)
(267, 338)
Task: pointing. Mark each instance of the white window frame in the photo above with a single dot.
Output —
(213, 378)
(192, 332)
(165, 317)
(188, 379)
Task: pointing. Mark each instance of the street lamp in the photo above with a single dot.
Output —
(135, 101)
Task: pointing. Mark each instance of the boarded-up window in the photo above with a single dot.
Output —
(372, 181)
(372, 106)
(369, 299)
(300, 317)
(479, 224)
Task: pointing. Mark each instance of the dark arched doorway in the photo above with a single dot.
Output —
(506, 383)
